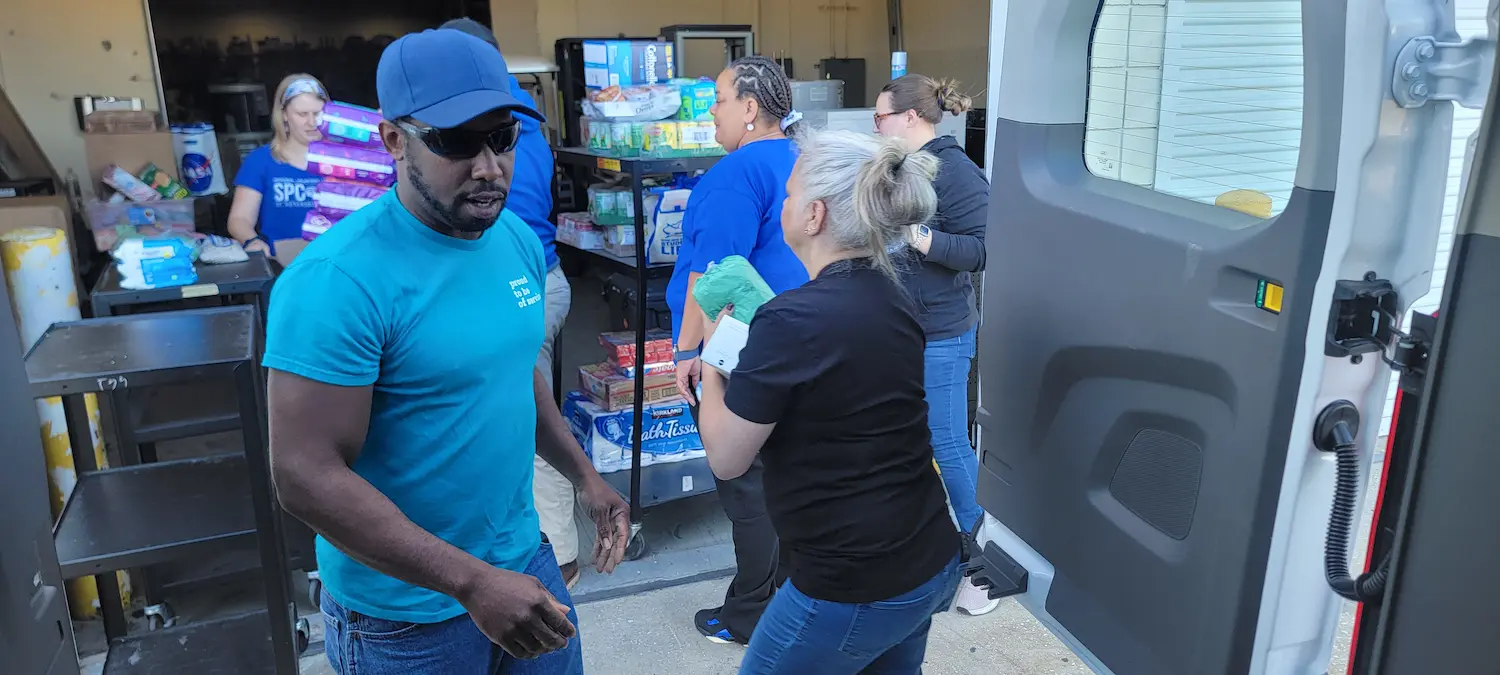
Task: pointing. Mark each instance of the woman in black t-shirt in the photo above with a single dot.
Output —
(829, 392)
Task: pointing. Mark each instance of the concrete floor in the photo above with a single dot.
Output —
(638, 620)
(651, 633)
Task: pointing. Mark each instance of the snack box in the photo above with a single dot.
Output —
(668, 434)
(613, 391)
(619, 347)
(580, 231)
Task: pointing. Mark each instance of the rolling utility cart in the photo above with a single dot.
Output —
(213, 408)
(148, 514)
(643, 487)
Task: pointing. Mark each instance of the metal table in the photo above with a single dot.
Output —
(662, 482)
(147, 514)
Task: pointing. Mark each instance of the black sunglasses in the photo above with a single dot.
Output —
(464, 144)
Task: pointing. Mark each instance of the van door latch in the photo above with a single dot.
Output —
(1363, 321)
(1428, 69)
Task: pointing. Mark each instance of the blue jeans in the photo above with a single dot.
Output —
(364, 645)
(799, 635)
(947, 379)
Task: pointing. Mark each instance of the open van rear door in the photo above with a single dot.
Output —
(1207, 218)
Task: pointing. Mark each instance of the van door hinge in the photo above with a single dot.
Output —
(1363, 321)
(1428, 69)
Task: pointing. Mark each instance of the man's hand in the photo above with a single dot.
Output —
(517, 613)
(687, 378)
(255, 245)
(611, 516)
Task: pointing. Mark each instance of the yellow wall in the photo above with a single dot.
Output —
(53, 50)
(949, 38)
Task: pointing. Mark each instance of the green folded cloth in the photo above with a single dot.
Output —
(732, 281)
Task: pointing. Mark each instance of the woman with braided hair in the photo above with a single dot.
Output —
(736, 210)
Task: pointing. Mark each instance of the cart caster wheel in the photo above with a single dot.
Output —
(304, 635)
(635, 548)
(315, 591)
(159, 616)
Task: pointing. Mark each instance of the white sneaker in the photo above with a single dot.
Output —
(973, 600)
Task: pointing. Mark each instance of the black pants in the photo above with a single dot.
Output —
(757, 554)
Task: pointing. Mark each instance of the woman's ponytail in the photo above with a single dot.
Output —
(873, 188)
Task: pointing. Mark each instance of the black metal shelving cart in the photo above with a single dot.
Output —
(153, 513)
(140, 420)
(643, 487)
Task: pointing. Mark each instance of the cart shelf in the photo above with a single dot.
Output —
(141, 515)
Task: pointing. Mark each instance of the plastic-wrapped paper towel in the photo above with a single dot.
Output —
(348, 124)
(197, 150)
(336, 199)
(348, 162)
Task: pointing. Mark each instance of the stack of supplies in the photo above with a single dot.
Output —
(355, 167)
(668, 433)
(655, 119)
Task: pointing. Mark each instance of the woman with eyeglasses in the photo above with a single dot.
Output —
(273, 190)
(736, 210)
(941, 256)
(828, 393)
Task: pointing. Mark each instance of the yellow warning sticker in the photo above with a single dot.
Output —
(608, 164)
(1268, 296)
(200, 291)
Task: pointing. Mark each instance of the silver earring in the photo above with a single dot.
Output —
(749, 127)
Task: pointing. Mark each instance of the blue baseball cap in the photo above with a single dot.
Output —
(444, 78)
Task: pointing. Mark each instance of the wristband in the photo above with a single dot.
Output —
(684, 355)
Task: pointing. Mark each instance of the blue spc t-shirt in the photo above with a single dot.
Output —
(736, 210)
(286, 193)
(531, 188)
(447, 331)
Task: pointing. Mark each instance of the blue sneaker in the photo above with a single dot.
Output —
(713, 629)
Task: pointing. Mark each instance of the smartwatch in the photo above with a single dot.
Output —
(683, 355)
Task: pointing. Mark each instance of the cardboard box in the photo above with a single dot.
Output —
(130, 152)
(613, 391)
(624, 63)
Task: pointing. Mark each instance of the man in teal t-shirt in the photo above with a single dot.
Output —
(404, 401)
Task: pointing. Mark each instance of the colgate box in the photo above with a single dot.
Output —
(619, 348)
(668, 435)
(613, 391)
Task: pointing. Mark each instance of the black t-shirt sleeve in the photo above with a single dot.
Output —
(773, 363)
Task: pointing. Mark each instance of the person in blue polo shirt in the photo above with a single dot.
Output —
(531, 199)
(405, 403)
(736, 210)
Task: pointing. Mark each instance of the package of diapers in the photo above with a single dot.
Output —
(349, 124)
(336, 199)
(314, 224)
(348, 162)
(670, 435)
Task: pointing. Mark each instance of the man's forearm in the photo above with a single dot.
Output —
(554, 441)
(366, 525)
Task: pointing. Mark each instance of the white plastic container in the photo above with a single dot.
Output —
(198, 164)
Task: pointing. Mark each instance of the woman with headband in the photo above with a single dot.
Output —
(736, 210)
(273, 190)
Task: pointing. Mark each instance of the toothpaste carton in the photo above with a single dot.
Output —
(623, 63)
(613, 391)
(668, 435)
